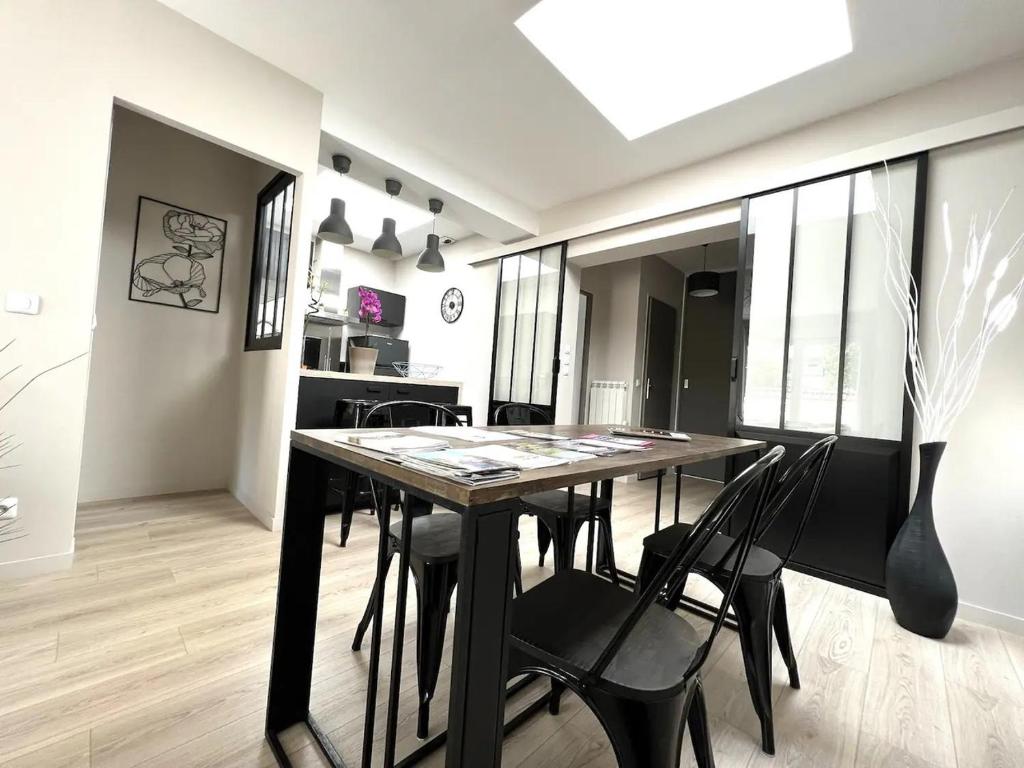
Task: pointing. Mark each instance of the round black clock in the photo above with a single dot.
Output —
(451, 305)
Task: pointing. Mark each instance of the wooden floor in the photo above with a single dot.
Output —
(153, 651)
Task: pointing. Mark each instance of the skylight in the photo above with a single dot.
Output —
(365, 206)
(646, 64)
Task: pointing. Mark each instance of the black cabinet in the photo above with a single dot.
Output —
(392, 306)
(319, 395)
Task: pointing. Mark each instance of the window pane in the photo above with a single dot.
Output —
(769, 223)
(509, 278)
(819, 264)
(547, 318)
(281, 270)
(873, 377)
(266, 235)
(523, 364)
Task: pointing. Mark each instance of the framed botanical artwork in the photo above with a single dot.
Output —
(178, 259)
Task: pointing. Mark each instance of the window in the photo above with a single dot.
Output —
(268, 284)
(823, 346)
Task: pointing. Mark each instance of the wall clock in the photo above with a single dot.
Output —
(451, 305)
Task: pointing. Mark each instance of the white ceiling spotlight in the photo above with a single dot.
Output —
(645, 64)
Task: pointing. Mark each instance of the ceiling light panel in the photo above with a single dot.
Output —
(365, 206)
(645, 64)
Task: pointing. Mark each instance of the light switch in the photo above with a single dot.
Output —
(22, 303)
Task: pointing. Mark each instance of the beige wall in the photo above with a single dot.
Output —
(67, 63)
(162, 412)
(615, 309)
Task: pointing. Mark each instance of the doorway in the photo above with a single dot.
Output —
(586, 307)
(706, 363)
(659, 365)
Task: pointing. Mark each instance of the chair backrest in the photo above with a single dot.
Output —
(757, 479)
(807, 473)
(439, 415)
(521, 414)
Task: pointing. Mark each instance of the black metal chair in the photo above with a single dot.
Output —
(560, 514)
(760, 602)
(433, 560)
(635, 663)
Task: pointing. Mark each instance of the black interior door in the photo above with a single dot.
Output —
(659, 361)
(707, 358)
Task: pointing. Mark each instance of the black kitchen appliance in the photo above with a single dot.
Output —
(392, 306)
(388, 351)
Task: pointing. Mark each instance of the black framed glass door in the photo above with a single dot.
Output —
(527, 329)
(819, 349)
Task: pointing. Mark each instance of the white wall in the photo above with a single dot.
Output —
(462, 348)
(69, 61)
(979, 493)
(162, 411)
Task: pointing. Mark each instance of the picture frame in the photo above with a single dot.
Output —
(177, 256)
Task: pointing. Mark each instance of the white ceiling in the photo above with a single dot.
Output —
(452, 89)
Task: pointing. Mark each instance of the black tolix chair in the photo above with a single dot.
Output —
(433, 560)
(760, 601)
(634, 662)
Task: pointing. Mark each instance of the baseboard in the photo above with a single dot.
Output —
(269, 522)
(990, 618)
(35, 566)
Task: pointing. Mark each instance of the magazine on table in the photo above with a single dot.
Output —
(469, 434)
(392, 443)
(516, 457)
(533, 435)
(555, 450)
(627, 443)
(464, 476)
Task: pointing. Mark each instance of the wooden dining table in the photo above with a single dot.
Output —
(485, 576)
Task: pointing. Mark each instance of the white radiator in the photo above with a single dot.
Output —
(608, 402)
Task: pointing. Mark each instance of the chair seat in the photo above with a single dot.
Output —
(435, 538)
(567, 621)
(557, 503)
(762, 564)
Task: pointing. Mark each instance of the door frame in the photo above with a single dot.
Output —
(556, 361)
(673, 415)
(586, 300)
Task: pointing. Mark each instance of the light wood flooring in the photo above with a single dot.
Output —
(153, 650)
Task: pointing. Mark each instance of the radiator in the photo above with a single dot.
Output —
(608, 402)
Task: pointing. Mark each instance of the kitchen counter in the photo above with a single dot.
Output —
(380, 379)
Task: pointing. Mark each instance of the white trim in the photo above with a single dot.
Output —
(35, 566)
(990, 618)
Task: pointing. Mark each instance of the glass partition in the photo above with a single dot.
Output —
(822, 346)
(527, 327)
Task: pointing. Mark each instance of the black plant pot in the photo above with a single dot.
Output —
(920, 584)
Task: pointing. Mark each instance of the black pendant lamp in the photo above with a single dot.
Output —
(430, 259)
(387, 244)
(703, 284)
(334, 229)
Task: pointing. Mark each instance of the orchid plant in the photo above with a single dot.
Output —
(9, 529)
(941, 384)
(369, 308)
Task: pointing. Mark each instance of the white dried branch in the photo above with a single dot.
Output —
(941, 388)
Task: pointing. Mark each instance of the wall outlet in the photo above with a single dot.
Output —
(8, 508)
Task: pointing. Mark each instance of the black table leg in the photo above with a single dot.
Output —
(298, 591)
(480, 657)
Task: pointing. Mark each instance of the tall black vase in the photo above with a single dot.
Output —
(921, 587)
